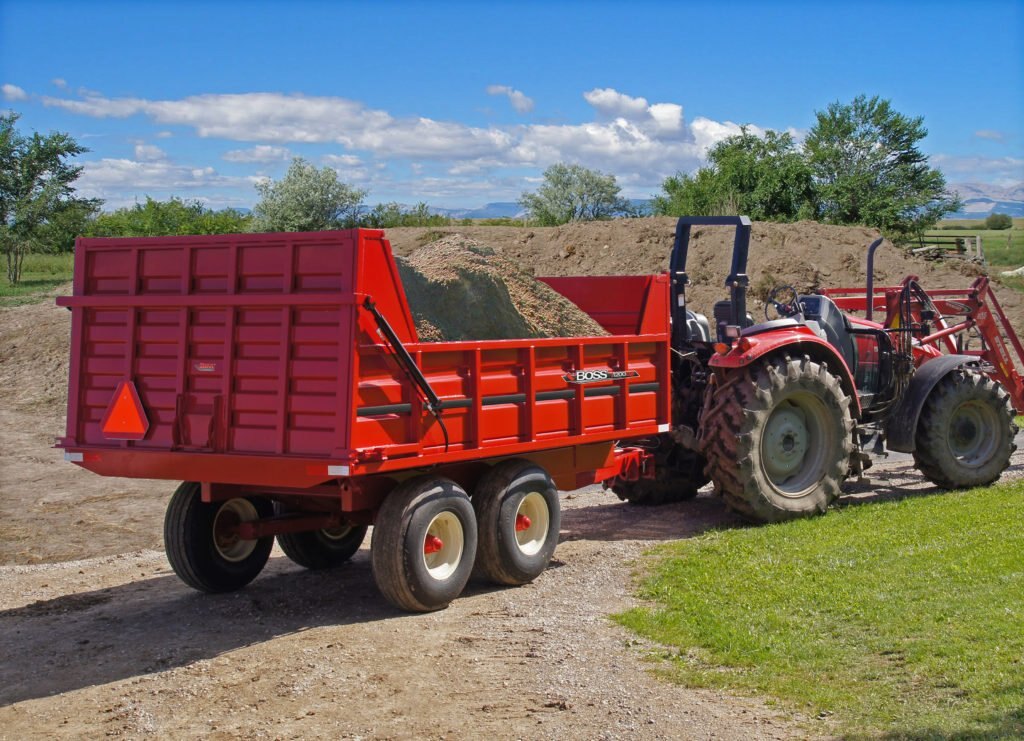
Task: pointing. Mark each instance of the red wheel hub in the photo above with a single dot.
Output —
(522, 523)
(432, 544)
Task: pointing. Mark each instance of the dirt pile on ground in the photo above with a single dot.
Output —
(459, 289)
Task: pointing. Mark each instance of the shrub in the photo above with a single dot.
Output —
(998, 221)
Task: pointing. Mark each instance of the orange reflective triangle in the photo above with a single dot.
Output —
(125, 419)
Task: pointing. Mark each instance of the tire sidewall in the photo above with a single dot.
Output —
(522, 566)
(428, 590)
(216, 573)
(952, 393)
(834, 461)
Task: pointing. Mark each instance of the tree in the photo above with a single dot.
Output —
(998, 221)
(167, 218)
(36, 190)
(389, 215)
(306, 199)
(575, 193)
(869, 170)
(765, 178)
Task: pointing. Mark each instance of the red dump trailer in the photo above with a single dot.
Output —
(280, 377)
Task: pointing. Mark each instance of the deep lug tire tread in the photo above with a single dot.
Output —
(397, 543)
(188, 543)
(737, 407)
(495, 501)
(932, 455)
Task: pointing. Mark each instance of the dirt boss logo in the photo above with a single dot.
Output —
(594, 376)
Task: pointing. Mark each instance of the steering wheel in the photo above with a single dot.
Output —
(784, 308)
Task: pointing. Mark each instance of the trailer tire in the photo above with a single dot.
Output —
(200, 546)
(965, 434)
(424, 543)
(322, 549)
(778, 437)
(518, 518)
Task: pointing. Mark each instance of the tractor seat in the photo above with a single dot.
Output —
(834, 323)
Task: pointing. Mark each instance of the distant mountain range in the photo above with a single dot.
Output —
(982, 199)
(498, 210)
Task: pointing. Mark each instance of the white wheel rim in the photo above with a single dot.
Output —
(233, 513)
(533, 519)
(443, 545)
(337, 533)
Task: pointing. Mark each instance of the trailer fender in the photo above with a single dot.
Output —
(796, 341)
(901, 429)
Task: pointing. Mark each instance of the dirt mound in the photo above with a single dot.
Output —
(459, 289)
(806, 255)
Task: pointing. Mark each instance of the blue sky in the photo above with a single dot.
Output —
(460, 104)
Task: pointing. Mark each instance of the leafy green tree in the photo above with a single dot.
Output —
(163, 218)
(765, 178)
(389, 215)
(305, 200)
(36, 190)
(998, 221)
(869, 170)
(575, 193)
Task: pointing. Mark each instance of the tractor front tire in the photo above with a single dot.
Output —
(778, 437)
(965, 432)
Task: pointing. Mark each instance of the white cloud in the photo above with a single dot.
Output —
(262, 153)
(13, 92)
(164, 134)
(122, 181)
(638, 141)
(59, 82)
(991, 135)
(613, 104)
(341, 160)
(990, 169)
(149, 153)
(517, 98)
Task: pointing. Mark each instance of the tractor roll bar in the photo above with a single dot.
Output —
(736, 282)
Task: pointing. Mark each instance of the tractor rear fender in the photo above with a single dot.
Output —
(791, 339)
(901, 429)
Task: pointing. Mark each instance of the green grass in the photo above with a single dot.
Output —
(902, 619)
(994, 241)
(40, 275)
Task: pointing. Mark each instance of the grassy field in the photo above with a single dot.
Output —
(999, 252)
(894, 620)
(40, 275)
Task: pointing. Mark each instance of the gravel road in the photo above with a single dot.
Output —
(117, 646)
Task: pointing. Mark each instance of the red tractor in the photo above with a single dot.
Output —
(778, 413)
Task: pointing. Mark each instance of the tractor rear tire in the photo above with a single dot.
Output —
(518, 518)
(778, 437)
(424, 544)
(965, 435)
(322, 549)
(201, 541)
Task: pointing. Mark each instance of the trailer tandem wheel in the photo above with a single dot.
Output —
(202, 544)
(322, 549)
(518, 517)
(424, 543)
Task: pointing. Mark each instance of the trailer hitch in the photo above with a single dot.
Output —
(408, 365)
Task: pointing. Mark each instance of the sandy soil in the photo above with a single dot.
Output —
(98, 637)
